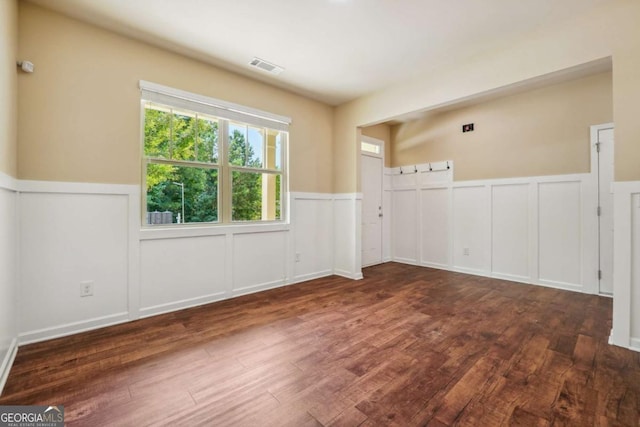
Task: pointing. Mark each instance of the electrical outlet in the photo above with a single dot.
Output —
(465, 251)
(86, 288)
(297, 256)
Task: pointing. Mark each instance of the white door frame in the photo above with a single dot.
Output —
(379, 155)
(595, 130)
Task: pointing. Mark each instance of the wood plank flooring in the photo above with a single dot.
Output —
(406, 346)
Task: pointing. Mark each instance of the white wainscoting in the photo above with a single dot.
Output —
(347, 213)
(539, 230)
(470, 229)
(312, 220)
(387, 235)
(200, 277)
(510, 236)
(635, 270)
(179, 271)
(8, 275)
(69, 233)
(404, 225)
(435, 226)
(626, 272)
(259, 261)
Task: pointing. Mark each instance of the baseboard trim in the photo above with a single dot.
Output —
(435, 265)
(257, 288)
(311, 276)
(349, 274)
(181, 305)
(634, 343)
(72, 328)
(481, 273)
(560, 285)
(8, 182)
(7, 363)
(472, 271)
(511, 277)
(408, 261)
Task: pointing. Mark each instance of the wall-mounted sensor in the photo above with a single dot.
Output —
(26, 66)
(467, 128)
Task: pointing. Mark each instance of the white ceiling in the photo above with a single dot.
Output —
(332, 50)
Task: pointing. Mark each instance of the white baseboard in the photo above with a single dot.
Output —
(435, 265)
(560, 285)
(472, 271)
(349, 274)
(8, 182)
(7, 363)
(72, 328)
(257, 288)
(634, 343)
(181, 305)
(511, 277)
(406, 261)
(311, 276)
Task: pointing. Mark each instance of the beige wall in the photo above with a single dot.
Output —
(383, 133)
(79, 113)
(626, 95)
(539, 132)
(609, 29)
(8, 86)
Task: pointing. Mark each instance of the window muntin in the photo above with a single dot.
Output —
(187, 180)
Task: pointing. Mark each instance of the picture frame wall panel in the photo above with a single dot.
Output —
(559, 233)
(435, 225)
(510, 230)
(404, 226)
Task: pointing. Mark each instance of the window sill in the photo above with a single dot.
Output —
(181, 231)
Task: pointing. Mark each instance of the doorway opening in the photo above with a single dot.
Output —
(602, 165)
(372, 164)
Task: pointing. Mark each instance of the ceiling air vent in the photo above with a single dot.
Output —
(266, 66)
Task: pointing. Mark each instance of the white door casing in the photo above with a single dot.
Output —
(603, 147)
(372, 171)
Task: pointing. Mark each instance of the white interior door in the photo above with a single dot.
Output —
(605, 201)
(371, 167)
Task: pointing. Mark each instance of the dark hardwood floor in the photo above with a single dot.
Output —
(405, 346)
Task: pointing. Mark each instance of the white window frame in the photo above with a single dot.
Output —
(372, 141)
(225, 111)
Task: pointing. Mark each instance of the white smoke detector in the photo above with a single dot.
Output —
(26, 66)
(266, 66)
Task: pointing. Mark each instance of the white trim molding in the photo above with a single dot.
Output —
(9, 274)
(168, 95)
(502, 228)
(626, 269)
(7, 363)
(58, 331)
(303, 249)
(347, 235)
(8, 182)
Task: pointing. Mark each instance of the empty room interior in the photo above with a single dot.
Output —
(327, 212)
